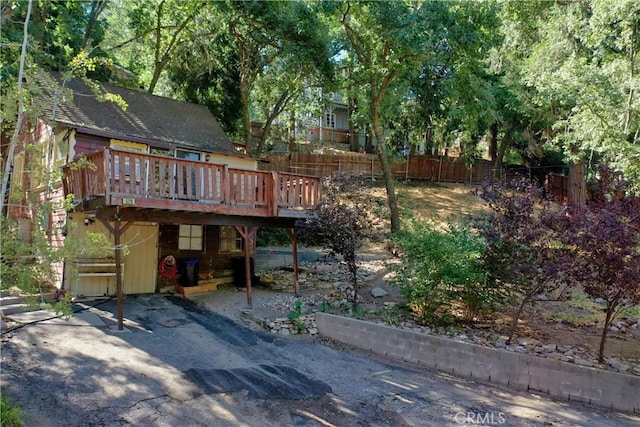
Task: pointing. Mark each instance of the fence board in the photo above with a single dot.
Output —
(429, 168)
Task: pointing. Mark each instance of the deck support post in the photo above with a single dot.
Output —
(117, 231)
(294, 251)
(248, 234)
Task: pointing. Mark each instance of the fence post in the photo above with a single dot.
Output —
(372, 168)
(406, 169)
(440, 169)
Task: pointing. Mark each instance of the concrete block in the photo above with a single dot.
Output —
(518, 371)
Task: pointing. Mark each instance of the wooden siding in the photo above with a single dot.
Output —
(140, 265)
(212, 262)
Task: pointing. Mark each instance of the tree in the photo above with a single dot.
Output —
(58, 31)
(265, 33)
(301, 62)
(339, 226)
(604, 237)
(154, 30)
(520, 250)
(28, 253)
(578, 63)
(387, 41)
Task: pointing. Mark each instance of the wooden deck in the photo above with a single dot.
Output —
(115, 178)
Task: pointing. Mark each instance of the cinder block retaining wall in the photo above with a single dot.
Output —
(519, 371)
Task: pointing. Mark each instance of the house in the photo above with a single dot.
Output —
(330, 128)
(165, 184)
(333, 124)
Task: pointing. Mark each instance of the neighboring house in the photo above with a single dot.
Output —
(333, 125)
(167, 181)
(330, 128)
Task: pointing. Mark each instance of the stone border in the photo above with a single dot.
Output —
(519, 371)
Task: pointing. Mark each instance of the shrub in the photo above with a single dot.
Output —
(273, 237)
(444, 270)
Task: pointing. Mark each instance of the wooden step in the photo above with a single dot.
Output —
(204, 286)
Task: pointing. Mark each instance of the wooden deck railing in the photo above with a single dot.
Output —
(144, 180)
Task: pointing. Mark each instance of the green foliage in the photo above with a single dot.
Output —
(444, 270)
(10, 416)
(574, 64)
(295, 315)
(273, 237)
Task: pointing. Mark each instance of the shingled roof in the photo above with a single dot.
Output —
(152, 119)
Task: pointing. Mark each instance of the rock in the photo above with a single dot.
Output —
(462, 337)
(599, 301)
(614, 329)
(542, 297)
(582, 362)
(620, 366)
(378, 292)
(501, 344)
(549, 347)
(285, 331)
(527, 341)
(554, 356)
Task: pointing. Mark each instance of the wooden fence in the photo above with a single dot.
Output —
(558, 185)
(429, 168)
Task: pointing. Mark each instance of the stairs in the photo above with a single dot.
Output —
(16, 304)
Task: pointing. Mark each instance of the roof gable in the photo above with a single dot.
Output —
(148, 118)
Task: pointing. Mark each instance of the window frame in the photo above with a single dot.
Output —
(194, 236)
(224, 247)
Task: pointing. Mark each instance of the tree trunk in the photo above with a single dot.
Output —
(354, 143)
(514, 319)
(387, 175)
(603, 338)
(506, 143)
(368, 140)
(292, 132)
(493, 142)
(15, 137)
(246, 119)
(577, 192)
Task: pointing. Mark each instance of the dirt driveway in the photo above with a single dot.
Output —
(181, 364)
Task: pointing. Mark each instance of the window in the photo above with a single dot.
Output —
(330, 120)
(190, 237)
(230, 240)
(187, 155)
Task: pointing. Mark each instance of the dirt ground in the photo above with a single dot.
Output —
(571, 322)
